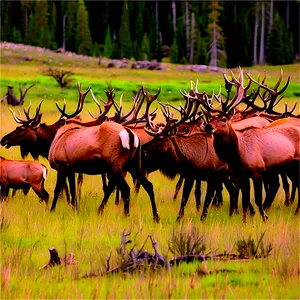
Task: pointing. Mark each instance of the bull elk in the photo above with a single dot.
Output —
(191, 155)
(18, 174)
(257, 152)
(107, 148)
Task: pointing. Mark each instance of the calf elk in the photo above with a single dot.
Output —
(19, 174)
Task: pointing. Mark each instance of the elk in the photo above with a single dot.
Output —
(107, 148)
(191, 155)
(256, 152)
(35, 137)
(18, 174)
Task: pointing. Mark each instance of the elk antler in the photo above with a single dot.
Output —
(82, 96)
(107, 105)
(29, 120)
(271, 94)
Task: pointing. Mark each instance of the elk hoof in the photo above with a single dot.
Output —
(297, 212)
(203, 218)
(156, 218)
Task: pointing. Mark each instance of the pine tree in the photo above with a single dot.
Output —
(53, 26)
(16, 36)
(107, 52)
(275, 42)
(174, 52)
(70, 12)
(42, 33)
(217, 45)
(83, 34)
(124, 34)
(146, 48)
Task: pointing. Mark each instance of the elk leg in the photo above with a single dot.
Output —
(108, 191)
(218, 198)
(125, 191)
(66, 189)
(198, 194)
(71, 179)
(60, 183)
(79, 185)
(13, 193)
(4, 192)
(210, 190)
(41, 192)
(104, 183)
(178, 186)
(293, 194)
(286, 187)
(273, 185)
(245, 187)
(233, 194)
(136, 172)
(257, 182)
(187, 187)
(117, 200)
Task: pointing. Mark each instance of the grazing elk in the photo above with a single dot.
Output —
(17, 174)
(107, 148)
(191, 155)
(253, 153)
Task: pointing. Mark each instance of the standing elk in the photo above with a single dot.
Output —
(18, 174)
(253, 153)
(191, 155)
(107, 148)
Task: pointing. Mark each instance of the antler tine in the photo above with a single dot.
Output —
(38, 110)
(17, 119)
(27, 112)
(79, 108)
(289, 113)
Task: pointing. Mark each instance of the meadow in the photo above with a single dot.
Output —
(28, 229)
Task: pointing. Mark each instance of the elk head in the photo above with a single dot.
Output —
(23, 135)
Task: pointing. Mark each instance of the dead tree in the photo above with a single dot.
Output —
(12, 99)
(62, 77)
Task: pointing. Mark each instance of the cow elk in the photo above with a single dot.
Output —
(18, 174)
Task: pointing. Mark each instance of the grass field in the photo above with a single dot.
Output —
(28, 230)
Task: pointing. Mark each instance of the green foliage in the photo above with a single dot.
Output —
(248, 248)
(124, 34)
(83, 34)
(146, 48)
(275, 40)
(42, 34)
(186, 241)
(16, 36)
(107, 52)
(174, 52)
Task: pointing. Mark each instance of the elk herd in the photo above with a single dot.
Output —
(226, 139)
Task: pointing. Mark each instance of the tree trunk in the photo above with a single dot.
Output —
(214, 49)
(255, 35)
(64, 32)
(262, 36)
(156, 16)
(174, 16)
(192, 39)
(271, 16)
(187, 28)
(287, 16)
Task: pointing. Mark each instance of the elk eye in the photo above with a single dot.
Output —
(224, 119)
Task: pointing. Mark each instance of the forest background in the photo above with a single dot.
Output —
(216, 33)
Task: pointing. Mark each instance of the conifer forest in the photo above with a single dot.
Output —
(216, 33)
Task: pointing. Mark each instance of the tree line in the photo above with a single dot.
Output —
(216, 33)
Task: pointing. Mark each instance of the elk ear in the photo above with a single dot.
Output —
(62, 122)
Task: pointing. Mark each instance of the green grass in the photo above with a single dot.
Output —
(28, 230)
